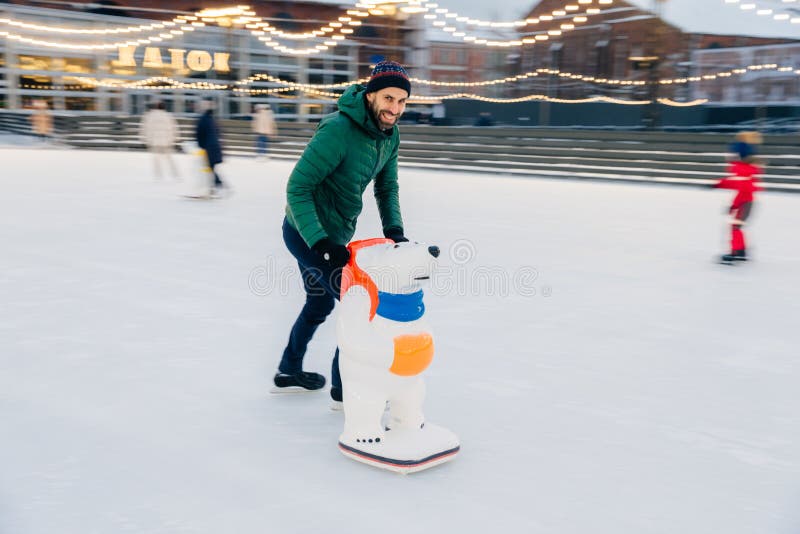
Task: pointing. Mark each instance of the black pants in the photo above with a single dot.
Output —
(322, 286)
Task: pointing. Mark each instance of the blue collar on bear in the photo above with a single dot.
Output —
(399, 307)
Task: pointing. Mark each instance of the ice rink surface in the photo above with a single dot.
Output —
(603, 373)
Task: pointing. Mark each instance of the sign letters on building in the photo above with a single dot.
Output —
(196, 60)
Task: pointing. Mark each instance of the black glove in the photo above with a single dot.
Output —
(395, 234)
(333, 254)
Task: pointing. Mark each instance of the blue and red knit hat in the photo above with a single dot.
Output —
(388, 74)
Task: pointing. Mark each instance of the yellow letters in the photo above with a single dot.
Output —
(199, 60)
(152, 58)
(126, 58)
(221, 62)
(177, 57)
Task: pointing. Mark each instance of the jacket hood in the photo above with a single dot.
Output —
(353, 103)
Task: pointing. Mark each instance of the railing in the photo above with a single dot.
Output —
(660, 157)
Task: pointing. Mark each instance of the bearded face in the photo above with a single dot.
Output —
(387, 105)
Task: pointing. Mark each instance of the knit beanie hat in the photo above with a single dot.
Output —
(388, 74)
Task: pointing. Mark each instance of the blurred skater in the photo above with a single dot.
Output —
(743, 171)
(42, 120)
(159, 131)
(264, 127)
(207, 134)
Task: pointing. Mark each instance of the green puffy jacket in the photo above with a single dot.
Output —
(348, 150)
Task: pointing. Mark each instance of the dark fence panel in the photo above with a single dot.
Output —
(601, 114)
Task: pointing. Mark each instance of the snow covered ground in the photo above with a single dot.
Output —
(604, 375)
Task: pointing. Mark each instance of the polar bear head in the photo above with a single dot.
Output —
(383, 266)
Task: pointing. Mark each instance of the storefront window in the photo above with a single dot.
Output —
(33, 81)
(27, 101)
(286, 109)
(80, 103)
(75, 65)
(119, 68)
(35, 62)
(286, 76)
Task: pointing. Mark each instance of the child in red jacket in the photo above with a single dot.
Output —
(742, 179)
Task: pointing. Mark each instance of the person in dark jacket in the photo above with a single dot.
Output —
(207, 134)
(351, 148)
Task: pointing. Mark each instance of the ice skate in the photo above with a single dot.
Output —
(301, 382)
(336, 399)
(734, 257)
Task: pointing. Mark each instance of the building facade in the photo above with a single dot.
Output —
(458, 62)
(757, 86)
(616, 42)
(89, 73)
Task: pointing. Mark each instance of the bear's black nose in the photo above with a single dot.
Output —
(434, 251)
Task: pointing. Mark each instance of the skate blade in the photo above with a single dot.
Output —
(291, 390)
(403, 467)
(337, 406)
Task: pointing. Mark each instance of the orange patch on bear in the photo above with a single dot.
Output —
(413, 353)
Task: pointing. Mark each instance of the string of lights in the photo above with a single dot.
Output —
(748, 5)
(91, 31)
(564, 14)
(56, 87)
(163, 83)
(568, 8)
(266, 77)
(528, 98)
(332, 34)
(149, 83)
(259, 27)
(729, 73)
(107, 46)
(240, 85)
(533, 74)
(333, 96)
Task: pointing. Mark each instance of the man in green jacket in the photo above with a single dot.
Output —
(351, 148)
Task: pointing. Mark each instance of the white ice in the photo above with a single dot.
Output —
(641, 389)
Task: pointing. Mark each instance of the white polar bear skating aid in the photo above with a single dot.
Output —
(201, 177)
(385, 344)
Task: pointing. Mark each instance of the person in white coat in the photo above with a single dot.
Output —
(264, 127)
(159, 131)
